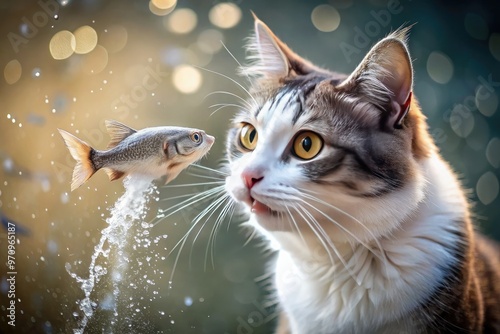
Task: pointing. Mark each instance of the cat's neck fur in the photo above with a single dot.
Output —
(381, 290)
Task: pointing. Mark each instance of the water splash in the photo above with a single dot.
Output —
(129, 209)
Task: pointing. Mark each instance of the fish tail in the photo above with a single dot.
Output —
(80, 151)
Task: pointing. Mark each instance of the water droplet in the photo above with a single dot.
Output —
(36, 73)
(64, 198)
(188, 301)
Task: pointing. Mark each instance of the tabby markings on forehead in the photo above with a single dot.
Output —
(286, 101)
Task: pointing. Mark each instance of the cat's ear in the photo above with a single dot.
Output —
(270, 58)
(272, 61)
(385, 78)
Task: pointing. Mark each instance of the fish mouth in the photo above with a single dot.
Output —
(210, 140)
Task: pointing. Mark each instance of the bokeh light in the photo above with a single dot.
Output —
(162, 7)
(114, 38)
(186, 79)
(12, 71)
(225, 15)
(486, 100)
(86, 39)
(181, 21)
(210, 41)
(439, 67)
(493, 152)
(462, 120)
(487, 188)
(325, 18)
(96, 61)
(164, 4)
(62, 45)
(494, 44)
(476, 26)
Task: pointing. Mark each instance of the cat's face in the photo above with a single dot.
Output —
(321, 152)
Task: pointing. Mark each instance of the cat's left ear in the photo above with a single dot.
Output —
(272, 59)
(385, 78)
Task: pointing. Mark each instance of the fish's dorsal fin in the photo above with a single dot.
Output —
(114, 174)
(118, 132)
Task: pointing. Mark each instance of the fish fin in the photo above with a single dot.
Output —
(114, 174)
(80, 151)
(118, 132)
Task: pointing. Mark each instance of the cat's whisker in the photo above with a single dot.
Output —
(215, 229)
(217, 178)
(236, 60)
(250, 237)
(193, 200)
(330, 243)
(192, 184)
(233, 209)
(211, 236)
(177, 197)
(234, 81)
(216, 171)
(222, 106)
(382, 255)
(245, 102)
(315, 231)
(183, 240)
(209, 210)
(295, 224)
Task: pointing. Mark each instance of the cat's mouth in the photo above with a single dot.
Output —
(260, 208)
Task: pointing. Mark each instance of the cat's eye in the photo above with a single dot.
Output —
(307, 145)
(248, 137)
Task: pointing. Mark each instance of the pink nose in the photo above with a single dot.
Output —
(251, 178)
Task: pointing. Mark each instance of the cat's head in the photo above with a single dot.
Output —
(327, 154)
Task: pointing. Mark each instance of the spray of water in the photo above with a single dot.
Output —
(111, 251)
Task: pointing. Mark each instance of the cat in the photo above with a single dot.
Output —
(372, 227)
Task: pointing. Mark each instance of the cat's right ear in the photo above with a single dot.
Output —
(270, 58)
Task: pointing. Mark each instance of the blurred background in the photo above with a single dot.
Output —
(72, 64)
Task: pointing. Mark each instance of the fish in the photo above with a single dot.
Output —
(155, 151)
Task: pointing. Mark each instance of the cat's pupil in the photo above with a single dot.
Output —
(307, 143)
(252, 135)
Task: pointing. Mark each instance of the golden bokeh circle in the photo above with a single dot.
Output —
(62, 45)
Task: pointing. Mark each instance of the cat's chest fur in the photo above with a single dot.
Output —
(378, 294)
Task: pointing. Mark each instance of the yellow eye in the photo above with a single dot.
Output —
(307, 145)
(248, 137)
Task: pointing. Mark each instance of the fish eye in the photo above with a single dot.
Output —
(248, 136)
(196, 137)
(307, 145)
